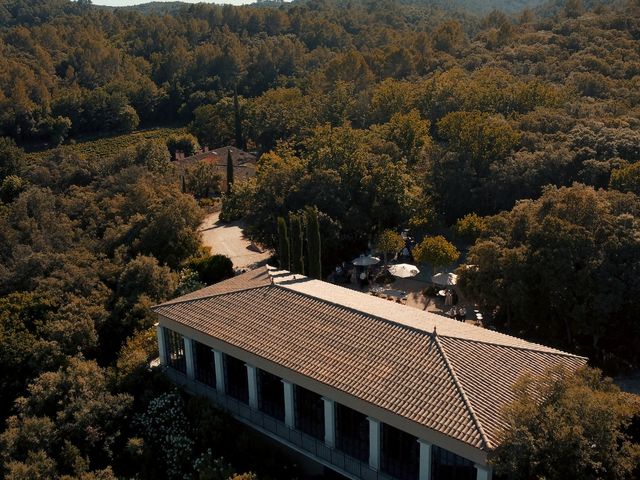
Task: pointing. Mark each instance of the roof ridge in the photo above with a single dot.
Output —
(463, 395)
(543, 349)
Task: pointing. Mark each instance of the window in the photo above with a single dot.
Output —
(446, 465)
(352, 432)
(309, 409)
(400, 453)
(204, 364)
(174, 344)
(236, 383)
(270, 394)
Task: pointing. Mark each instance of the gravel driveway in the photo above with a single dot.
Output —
(228, 239)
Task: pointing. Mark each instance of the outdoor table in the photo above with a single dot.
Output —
(396, 294)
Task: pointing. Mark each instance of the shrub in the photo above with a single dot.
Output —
(213, 269)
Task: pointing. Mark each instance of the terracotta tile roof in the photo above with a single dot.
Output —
(454, 382)
(218, 156)
(487, 372)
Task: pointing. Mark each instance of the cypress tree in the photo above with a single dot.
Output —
(297, 243)
(229, 171)
(283, 244)
(313, 243)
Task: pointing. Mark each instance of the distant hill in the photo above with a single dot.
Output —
(481, 7)
(150, 8)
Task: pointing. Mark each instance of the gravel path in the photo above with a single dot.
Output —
(228, 239)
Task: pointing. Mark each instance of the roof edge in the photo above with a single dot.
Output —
(463, 395)
(206, 297)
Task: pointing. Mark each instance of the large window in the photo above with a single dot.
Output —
(174, 344)
(352, 432)
(236, 383)
(309, 409)
(446, 465)
(204, 364)
(400, 455)
(270, 394)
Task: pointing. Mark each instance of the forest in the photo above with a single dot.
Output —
(516, 135)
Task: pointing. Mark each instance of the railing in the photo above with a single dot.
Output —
(310, 446)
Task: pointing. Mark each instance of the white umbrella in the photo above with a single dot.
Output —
(363, 261)
(403, 270)
(445, 279)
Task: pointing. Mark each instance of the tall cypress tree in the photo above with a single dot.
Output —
(283, 244)
(297, 243)
(313, 243)
(229, 171)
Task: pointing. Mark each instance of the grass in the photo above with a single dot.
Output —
(106, 146)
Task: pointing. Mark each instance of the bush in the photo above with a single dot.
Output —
(186, 143)
(213, 269)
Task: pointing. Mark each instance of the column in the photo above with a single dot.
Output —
(374, 443)
(162, 348)
(425, 460)
(329, 422)
(218, 364)
(188, 355)
(483, 472)
(252, 378)
(289, 415)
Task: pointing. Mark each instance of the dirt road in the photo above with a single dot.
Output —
(228, 239)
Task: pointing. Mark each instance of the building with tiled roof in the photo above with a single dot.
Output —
(364, 386)
(244, 163)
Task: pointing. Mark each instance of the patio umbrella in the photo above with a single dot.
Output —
(367, 261)
(403, 270)
(445, 279)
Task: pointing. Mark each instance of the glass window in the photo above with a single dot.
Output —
(400, 455)
(204, 364)
(309, 409)
(270, 394)
(446, 465)
(174, 344)
(352, 432)
(236, 383)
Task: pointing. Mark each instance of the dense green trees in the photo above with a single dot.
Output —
(569, 424)
(380, 115)
(87, 247)
(561, 269)
(69, 422)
